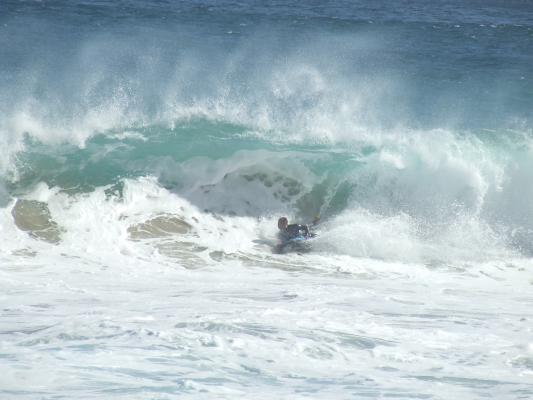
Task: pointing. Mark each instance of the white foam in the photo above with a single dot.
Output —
(104, 309)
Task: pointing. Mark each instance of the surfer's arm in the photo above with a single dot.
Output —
(305, 230)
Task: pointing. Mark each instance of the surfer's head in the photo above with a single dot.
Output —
(283, 222)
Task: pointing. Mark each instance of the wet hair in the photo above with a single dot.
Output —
(282, 222)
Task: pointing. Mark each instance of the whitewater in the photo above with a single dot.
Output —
(149, 148)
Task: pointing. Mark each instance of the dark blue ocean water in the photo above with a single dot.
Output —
(454, 62)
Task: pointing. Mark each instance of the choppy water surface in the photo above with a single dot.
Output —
(149, 148)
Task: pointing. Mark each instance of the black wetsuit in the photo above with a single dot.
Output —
(293, 231)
